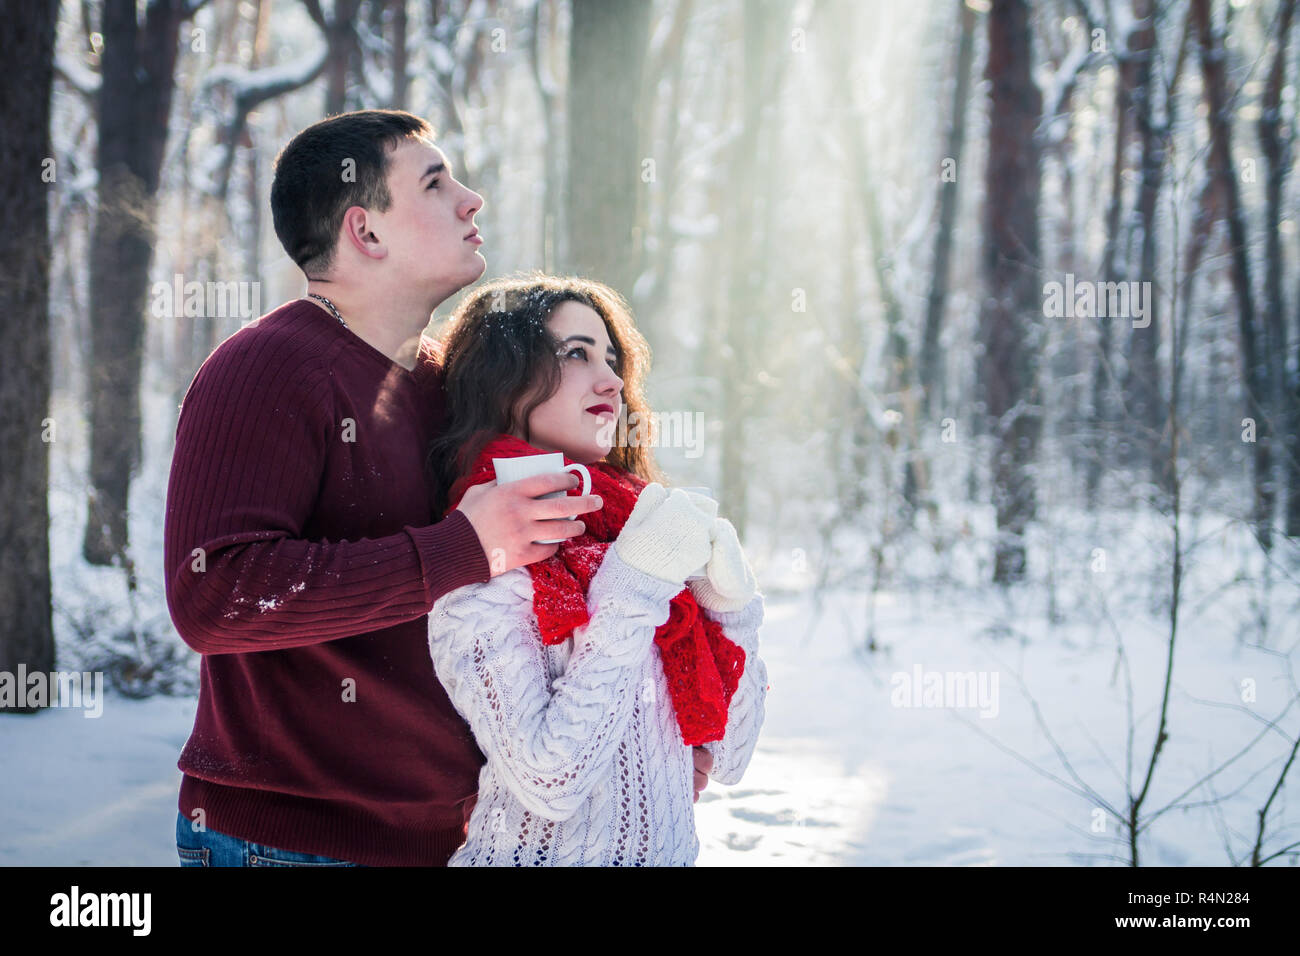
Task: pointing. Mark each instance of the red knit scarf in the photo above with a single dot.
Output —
(702, 665)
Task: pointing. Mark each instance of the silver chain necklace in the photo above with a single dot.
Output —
(329, 305)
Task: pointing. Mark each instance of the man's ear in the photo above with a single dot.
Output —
(358, 232)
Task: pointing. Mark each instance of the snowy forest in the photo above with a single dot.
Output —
(980, 317)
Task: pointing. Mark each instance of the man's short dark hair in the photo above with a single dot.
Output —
(315, 183)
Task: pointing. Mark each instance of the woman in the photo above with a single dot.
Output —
(587, 678)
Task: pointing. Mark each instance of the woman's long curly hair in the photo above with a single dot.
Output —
(500, 362)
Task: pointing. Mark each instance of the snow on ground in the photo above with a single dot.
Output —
(843, 777)
(81, 791)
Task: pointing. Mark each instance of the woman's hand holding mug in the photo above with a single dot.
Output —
(510, 518)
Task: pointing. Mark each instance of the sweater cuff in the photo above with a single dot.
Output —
(616, 580)
(451, 555)
(749, 616)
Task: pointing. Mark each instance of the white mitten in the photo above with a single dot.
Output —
(710, 507)
(666, 535)
(729, 583)
(704, 503)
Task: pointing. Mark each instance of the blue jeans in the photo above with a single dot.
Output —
(211, 848)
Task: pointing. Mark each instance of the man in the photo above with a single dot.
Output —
(301, 553)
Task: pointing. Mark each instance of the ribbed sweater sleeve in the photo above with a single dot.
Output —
(745, 713)
(249, 466)
(551, 743)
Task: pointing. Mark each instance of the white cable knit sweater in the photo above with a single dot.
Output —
(585, 762)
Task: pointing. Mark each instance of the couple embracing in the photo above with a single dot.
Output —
(407, 659)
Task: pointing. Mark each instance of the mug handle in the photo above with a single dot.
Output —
(586, 476)
(586, 490)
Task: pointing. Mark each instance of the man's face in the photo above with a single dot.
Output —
(429, 228)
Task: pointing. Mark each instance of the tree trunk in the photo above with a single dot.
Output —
(657, 256)
(744, 313)
(853, 438)
(1103, 379)
(400, 78)
(607, 47)
(900, 375)
(1277, 153)
(345, 56)
(1254, 367)
(743, 282)
(552, 187)
(931, 371)
(27, 50)
(1142, 389)
(1293, 434)
(1011, 270)
(134, 104)
(448, 73)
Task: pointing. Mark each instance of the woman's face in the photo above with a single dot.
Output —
(579, 418)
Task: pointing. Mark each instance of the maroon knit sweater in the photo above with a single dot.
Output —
(299, 473)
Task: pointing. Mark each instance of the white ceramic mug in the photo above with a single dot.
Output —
(525, 466)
